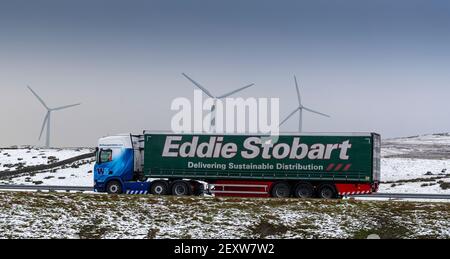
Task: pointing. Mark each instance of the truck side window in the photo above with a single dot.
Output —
(105, 156)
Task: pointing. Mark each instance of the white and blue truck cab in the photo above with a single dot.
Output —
(118, 167)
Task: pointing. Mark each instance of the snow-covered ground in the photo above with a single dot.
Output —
(81, 176)
(418, 164)
(63, 215)
(12, 159)
(428, 139)
(74, 174)
(395, 169)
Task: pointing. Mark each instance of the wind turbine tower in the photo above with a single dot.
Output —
(46, 124)
(213, 107)
(300, 109)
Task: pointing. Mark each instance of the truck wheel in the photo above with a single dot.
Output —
(281, 190)
(327, 192)
(304, 191)
(180, 188)
(114, 187)
(159, 188)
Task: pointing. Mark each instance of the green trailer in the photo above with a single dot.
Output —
(301, 165)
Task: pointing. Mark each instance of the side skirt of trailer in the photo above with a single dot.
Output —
(225, 188)
(240, 188)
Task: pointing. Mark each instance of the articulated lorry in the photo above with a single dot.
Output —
(296, 165)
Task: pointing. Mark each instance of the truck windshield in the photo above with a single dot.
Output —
(105, 156)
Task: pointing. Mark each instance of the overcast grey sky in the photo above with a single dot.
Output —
(373, 65)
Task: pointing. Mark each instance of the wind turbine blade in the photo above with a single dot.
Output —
(43, 124)
(289, 116)
(198, 85)
(39, 98)
(235, 91)
(298, 92)
(313, 111)
(65, 107)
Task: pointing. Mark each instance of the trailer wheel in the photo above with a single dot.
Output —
(304, 191)
(281, 190)
(114, 187)
(327, 192)
(180, 188)
(159, 188)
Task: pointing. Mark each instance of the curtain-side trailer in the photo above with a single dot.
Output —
(299, 165)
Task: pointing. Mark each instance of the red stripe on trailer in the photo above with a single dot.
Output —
(352, 188)
(330, 167)
(347, 167)
(230, 188)
(338, 167)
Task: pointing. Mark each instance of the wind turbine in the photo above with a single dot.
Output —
(300, 109)
(213, 107)
(46, 123)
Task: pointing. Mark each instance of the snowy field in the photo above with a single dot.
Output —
(13, 159)
(81, 176)
(74, 174)
(62, 215)
(428, 139)
(419, 164)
